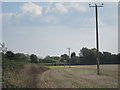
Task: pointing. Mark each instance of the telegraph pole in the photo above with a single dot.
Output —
(97, 42)
(69, 56)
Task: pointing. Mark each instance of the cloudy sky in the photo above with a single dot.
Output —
(46, 28)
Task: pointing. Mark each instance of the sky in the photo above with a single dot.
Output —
(49, 28)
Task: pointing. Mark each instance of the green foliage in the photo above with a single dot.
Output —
(65, 61)
(3, 48)
(10, 71)
(73, 54)
(40, 60)
(34, 58)
(49, 59)
(55, 57)
(65, 57)
(47, 64)
(10, 55)
(107, 57)
(75, 60)
(88, 56)
(21, 57)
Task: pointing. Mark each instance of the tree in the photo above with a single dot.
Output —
(75, 60)
(41, 60)
(3, 49)
(109, 58)
(55, 57)
(65, 57)
(9, 55)
(88, 56)
(62, 59)
(22, 57)
(73, 54)
(34, 58)
(118, 58)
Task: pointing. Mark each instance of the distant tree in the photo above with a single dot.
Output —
(106, 56)
(75, 60)
(49, 59)
(62, 59)
(10, 55)
(109, 58)
(73, 54)
(88, 56)
(55, 57)
(41, 60)
(65, 61)
(65, 57)
(22, 57)
(118, 58)
(34, 58)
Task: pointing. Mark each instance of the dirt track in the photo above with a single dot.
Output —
(79, 77)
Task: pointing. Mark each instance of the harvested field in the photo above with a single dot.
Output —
(79, 77)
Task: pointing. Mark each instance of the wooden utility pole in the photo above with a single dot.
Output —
(97, 42)
(69, 55)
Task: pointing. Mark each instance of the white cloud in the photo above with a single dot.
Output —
(30, 8)
(27, 9)
(61, 7)
(79, 7)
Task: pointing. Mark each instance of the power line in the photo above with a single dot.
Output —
(97, 42)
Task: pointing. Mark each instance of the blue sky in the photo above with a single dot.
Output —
(46, 28)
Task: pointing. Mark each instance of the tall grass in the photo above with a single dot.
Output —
(20, 74)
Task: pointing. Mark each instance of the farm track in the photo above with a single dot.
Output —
(79, 77)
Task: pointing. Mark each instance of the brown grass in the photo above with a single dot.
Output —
(80, 77)
(29, 75)
(27, 78)
(34, 76)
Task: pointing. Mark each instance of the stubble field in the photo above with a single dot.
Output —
(79, 77)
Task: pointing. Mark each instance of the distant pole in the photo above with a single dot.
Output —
(97, 42)
(69, 55)
(64, 63)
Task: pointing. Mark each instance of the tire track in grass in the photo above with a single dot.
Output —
(69, 76)
(79, 81)
(95, 83)
(89, 83)
(60, 77)
(72, 78)
(54, 79)
(76, 79)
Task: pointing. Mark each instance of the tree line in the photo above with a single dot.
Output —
(86, 56)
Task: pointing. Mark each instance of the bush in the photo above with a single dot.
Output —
(10, 55)
(34, 58)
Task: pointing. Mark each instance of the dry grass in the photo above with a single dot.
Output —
(34, 76)
(29, 75)
(80, 77)
(26, 78)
